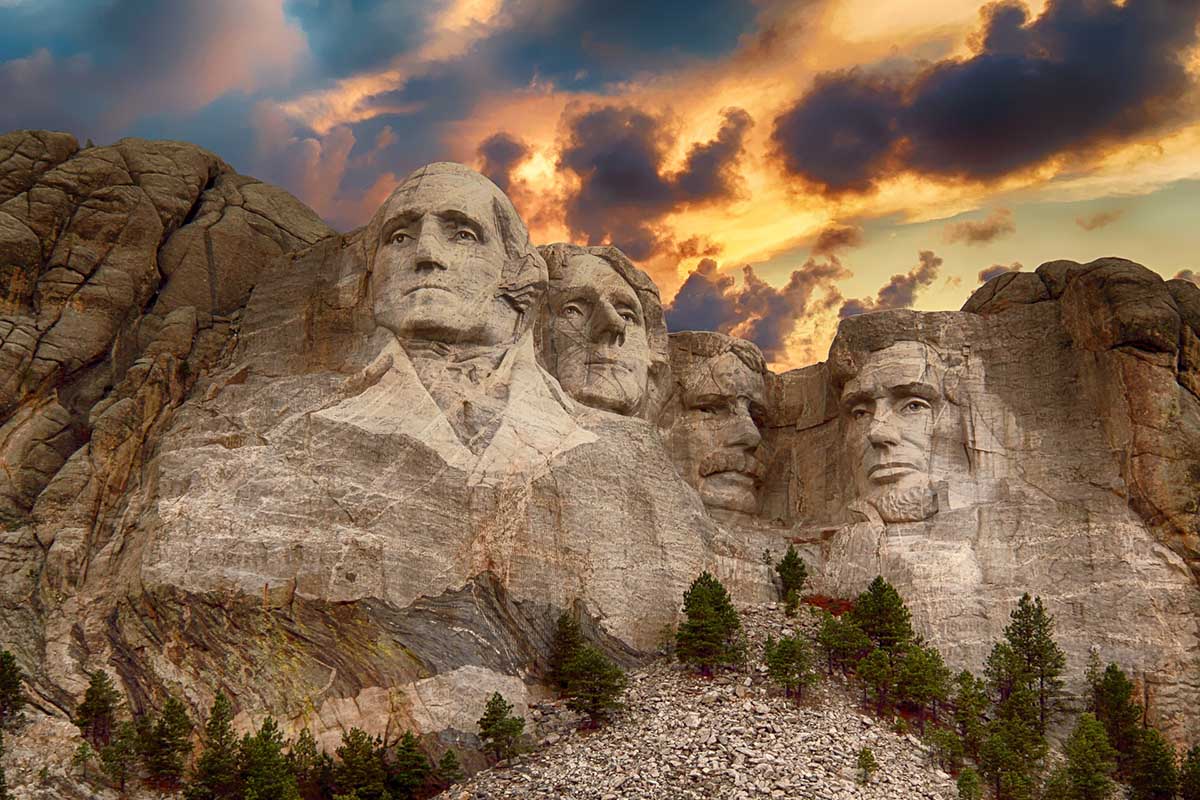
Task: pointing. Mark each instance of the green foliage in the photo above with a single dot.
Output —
(878, 677)
(164, 745)
(790, 664)
(1113, 704)
(1153, 774)
(969, 785)
(12, 698)
(568, 640)
(499, 729)
(947, 748)
(594, 684)
(843, 641)
(1030, 634)
(923, 681)
(215, 775)
(1090, 760)
(408, 769)
(708, 638)
(265, 771)
(312, 769)
(970, 704)
(97, 714)
(1189, 775)
(866, 764)
(360, 770)
(81, 759)
(118, 757)
(791, 603)
(882, 616)
(1012, 750)
(792, 573)
(1057, 786)
(449, 770)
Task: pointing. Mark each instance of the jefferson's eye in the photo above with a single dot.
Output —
(572, 311)
(398, 237)
(465, 235)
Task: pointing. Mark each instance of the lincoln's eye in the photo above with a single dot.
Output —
(465, 235)
(915, 406)
(860, 413)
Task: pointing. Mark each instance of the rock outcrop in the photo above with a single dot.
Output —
(352, 479)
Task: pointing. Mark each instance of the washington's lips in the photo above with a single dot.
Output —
(724, 461)
(889, 471)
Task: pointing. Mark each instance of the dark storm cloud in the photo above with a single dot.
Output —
(1084, 73)
(501, 152)
(981, 231)
(836, 238)
(996, 270)
(1100, 219)
(764, 314)
(900, 291)
(364, 34)
(617, 154)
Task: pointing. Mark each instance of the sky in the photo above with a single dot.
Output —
(775, 166)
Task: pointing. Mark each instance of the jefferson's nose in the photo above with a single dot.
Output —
(883, 432)
(606, 325)
(428, 256)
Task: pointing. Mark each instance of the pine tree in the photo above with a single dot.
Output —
(1090, 760)
(215, 775)
(595, 685)
(1189, 775)
(164, 746)
(449, 770)
(969, 785)
(313, 769)
(708, 637)
(1057, 786)
(12, 698)
(878, 677)
(882, 616)
(408, 768)
(792, 574)
(1153, 774)
(790, 664)
(947, 748)
(1030, 634)
(97, 714)
(843, 641)
(499, 729)
(1013, 748)
(866, 764)
(970, 704)
(359, 769)
(568, 640)
(1005, 672)
(1114, 706)
(923, 680)
(117, 758)
(265, 772)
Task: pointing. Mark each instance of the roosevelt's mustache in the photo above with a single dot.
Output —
(732, 461)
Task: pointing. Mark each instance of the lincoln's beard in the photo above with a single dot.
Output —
(907, 504)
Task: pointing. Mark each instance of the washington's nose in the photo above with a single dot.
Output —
(743, 432)
(428, 256)
(606, 325)
(882, 432)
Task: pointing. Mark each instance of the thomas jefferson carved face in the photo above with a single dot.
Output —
(714, 438)
(598, 339)
(892, 406)
(440, 262)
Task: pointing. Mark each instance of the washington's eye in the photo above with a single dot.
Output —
(398, 237)
(629, 317)
(465, 235)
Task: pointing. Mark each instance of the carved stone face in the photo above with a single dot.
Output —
(598, 338)
(715, 437)
(892, 407)
(440, 261)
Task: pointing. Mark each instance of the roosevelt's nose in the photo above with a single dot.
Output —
(883, 432)
(606, 325)
(428, 256)
(742, 432)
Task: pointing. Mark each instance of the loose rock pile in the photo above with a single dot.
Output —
(735, 736)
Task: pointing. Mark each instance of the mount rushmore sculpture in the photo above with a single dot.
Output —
(353, 478)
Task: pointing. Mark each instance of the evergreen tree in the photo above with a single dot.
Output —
(595, 685)
(12, 698)
(81, 759)
(1114, 706)
(969, 785)
(792, 574)
(118, 757)
(1153, 774)
(449, 770)
(1189, 775)
(215, 775)
(265, 772)
(499, 729)
(164, 746)
(923, 681)
(878, 677)
(882, 616)
(708, 637)
(844, 642)
(408, 769)
(1090, 760)
(312, 768)
(1057, 786)
(1013, 748)
(359, 769)
(1030, 634)
(790, 664)
(97, 714)
(947, 748)
(1005, 672)
(568, 640)
(970, 704)
(866, 764)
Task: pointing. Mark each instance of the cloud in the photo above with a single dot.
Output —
(617, 157)
(899, 292)
(836, 238)
(1091, 73)
(1100, 219)
(758, 311)
(499, 154)
(996, 270)
(993, 226)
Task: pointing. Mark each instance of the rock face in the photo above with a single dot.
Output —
(353, 479)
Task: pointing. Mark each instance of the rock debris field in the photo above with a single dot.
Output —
(734, 736)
